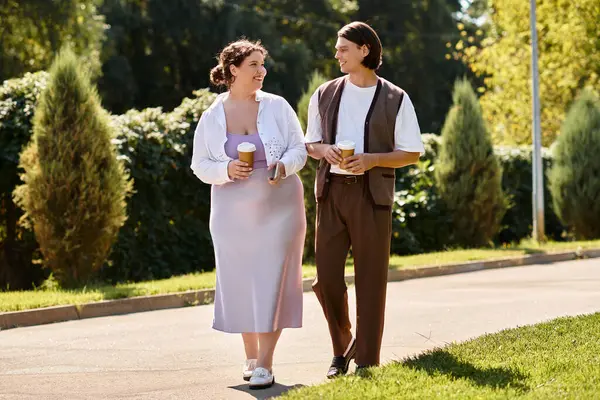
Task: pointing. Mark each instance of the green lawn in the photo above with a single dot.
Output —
(458, 256)
(24, 300)
(555, 360)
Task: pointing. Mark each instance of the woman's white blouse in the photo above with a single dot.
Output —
(278, 127)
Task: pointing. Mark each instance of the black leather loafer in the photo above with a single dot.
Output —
(339, 364)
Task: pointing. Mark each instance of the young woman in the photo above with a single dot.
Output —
(257, 221)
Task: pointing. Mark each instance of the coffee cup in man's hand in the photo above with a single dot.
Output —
(347, 147)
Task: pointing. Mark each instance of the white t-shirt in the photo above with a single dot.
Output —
(354, 106)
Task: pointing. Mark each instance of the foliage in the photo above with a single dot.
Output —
(414, 37)
(569, 59)
(149, 251)
(422, 223)
(158, 52)
(33, 31)
(517, 172)
(468, 175)
(155, 53)
(575, 177)
(167, 230)
(74, 188)
(18, 255)
(308, 173)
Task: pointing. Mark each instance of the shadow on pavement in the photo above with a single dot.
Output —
(274, 391)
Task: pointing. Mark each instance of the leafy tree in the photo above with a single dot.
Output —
(414, 36)
(31, 32)
(159, 52)
(569, 59)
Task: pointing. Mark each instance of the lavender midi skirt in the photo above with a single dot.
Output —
(258, 235)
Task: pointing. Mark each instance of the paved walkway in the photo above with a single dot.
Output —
(173, 354)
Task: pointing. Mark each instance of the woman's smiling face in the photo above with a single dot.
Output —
(251, 72)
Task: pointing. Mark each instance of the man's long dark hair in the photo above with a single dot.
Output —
(362, 34)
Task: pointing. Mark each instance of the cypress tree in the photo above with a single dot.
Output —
(468, 175)
(75, 189)
(574, 178)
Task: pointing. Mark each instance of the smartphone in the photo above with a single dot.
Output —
(274, 172)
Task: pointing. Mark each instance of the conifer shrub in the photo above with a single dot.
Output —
(575, 175)
(468, 174)
(74, 191)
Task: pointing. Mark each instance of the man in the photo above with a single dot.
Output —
(355, 195)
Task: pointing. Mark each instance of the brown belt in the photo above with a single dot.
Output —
(346, 179)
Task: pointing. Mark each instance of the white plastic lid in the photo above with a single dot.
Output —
(246, 147)
(346, 145)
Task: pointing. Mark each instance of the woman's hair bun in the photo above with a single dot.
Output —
(217, 76)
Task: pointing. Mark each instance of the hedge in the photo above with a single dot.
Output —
(421, 222)
(19, 255)
(167, 229)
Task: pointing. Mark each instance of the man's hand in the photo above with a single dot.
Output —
(359, 163)
(333, 155)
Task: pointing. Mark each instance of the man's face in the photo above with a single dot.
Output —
(350, 55)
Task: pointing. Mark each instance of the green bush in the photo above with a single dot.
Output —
(74, 188)
(167, 231)
(167, 228)
(468, 175)
(422, 223)
(420, 220)
(517, 223)
(308, 173)
(575, 176)
(19, 255)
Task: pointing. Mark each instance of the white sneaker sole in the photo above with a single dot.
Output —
(264, 385)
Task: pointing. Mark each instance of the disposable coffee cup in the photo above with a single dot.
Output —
(246, 153)
(347, 147)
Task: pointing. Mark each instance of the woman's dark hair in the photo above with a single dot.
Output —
(362, 34)
(233, 54)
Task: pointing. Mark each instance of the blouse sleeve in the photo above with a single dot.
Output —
(208, 170)
(294, 157)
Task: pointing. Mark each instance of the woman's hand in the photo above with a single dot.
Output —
(238, 170)
(280, 173)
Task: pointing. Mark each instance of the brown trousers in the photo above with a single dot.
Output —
(347, 217)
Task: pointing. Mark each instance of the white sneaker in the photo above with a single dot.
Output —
(261, 379)
(249, 367)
